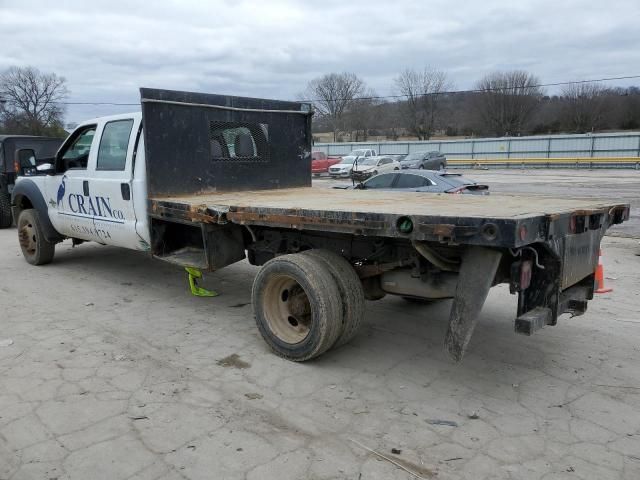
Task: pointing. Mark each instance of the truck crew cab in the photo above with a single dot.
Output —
(185, 189)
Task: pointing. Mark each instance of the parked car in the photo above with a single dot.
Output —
(426, 160)
(320, 163)
(343, 169)
(371, 166)
(19, 153)
(433, 181)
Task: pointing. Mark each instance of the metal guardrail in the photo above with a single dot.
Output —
(589, 162)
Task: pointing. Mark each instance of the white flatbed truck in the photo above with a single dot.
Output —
(204, 181)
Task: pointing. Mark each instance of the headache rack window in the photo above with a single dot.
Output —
(239, 142)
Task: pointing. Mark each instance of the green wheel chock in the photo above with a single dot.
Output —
(194, 275)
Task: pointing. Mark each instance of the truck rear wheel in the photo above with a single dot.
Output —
(351, 292)
(297, 306)
(5, 210)
(35, 247)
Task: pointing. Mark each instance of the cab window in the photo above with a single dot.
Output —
(112, 153)
(76, 154)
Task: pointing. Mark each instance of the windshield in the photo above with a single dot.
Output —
(358, 153)
(412, 157)
(348, 160)
(367, 161)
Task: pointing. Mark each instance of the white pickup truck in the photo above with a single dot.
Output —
(213, 179)
(344, 168)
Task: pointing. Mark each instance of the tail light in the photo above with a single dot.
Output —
(471, 188)
(521, 272)
(525, 274)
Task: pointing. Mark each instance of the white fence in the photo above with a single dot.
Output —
(599, 145)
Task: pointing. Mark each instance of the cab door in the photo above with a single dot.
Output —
(110, 183)
(68, 209)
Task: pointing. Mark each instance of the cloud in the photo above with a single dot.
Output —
(107, 50)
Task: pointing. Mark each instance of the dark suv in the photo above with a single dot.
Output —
(425, 160)
(19, 153)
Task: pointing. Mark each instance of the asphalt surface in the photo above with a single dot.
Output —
(110, 369)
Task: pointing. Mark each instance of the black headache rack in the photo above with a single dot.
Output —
(198, 142)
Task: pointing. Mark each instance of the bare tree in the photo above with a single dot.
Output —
(333, 94)
(506, 101)
(361, 116)
(424, 92)
(585, 105)
(32, 100)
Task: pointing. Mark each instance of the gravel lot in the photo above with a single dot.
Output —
(109, 369)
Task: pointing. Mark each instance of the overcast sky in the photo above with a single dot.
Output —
(272, 48)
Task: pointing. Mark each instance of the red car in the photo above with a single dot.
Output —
(320, 163)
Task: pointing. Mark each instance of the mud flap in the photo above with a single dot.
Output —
(477, 271)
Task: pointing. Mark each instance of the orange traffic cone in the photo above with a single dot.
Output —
(600, 288)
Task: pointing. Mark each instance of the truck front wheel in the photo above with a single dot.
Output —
(297, 305)
(35, 247)
(5, 210)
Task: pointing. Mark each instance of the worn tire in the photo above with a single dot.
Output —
(35, 247)
(297, 306)
(351, 292)
(6, 219)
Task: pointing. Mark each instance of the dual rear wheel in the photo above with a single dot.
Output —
(307, 303)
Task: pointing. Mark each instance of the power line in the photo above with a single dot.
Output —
(101, 103)
(382, 97)
(497, 89)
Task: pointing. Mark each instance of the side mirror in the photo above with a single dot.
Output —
(46, 168)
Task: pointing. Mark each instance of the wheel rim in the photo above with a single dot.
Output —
(287, 309)
(27, 237)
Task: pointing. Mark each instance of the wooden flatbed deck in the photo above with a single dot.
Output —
(475, 219)
(393, 203)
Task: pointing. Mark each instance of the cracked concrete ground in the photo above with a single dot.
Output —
(116, 372)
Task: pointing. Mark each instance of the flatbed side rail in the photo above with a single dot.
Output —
(495, 232)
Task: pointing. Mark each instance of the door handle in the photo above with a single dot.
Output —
(85, 187)
(126, 191)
